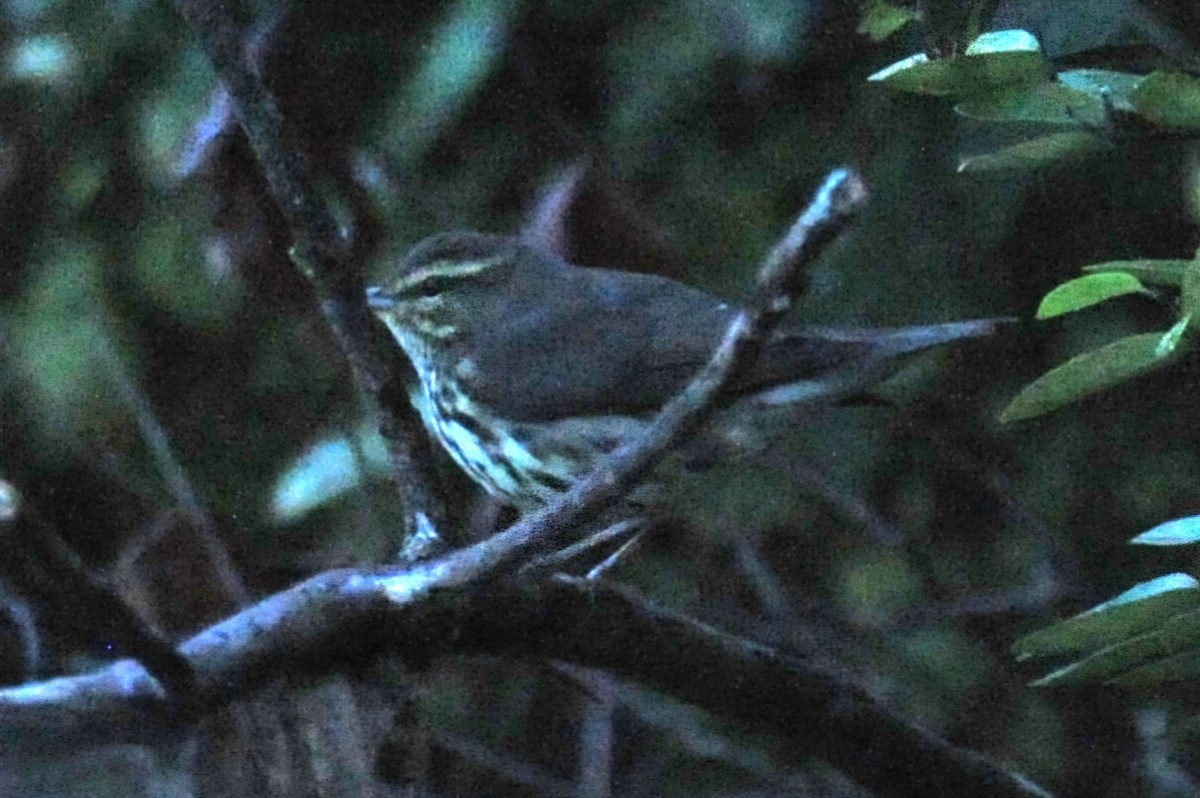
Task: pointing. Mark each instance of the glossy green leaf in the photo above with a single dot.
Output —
(1118, 86)
(880, 20)
(1154, 272)
(1170, 100)
(1088, 374)
(1137, 610)
(1083, 292)
(996, 61)
(1013, 40)
(1176, 634)
(1047, 102)
(1042, 151)
(1178, 532)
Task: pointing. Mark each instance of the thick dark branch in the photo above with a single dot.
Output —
(322, 251)
(345, 617)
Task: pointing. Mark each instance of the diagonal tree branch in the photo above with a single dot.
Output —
(839, 199)
(321, 251)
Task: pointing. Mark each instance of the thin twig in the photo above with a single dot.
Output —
(24, 630)
(52, 568)
(840, 198)
(600, 569)
(623, 531)
(173, 474)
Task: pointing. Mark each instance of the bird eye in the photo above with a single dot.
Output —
(431, 285)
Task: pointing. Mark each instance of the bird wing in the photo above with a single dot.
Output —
(593, 342)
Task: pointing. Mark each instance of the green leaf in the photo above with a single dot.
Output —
(1050, 103)
(172, 271)
(1170, 100)
(1137, 610)
(458, 56)
(1014, 40)
(1173, 337)
(1041, 151)
(1178, 532)
(52, 341)
(42, 59)
(1087, 374)
(1176, 668)
(1155, 272)
(1176, 634)
(1119, 86)
(995, 61)
(1083, 292)
(880, 20)
(1189, 289)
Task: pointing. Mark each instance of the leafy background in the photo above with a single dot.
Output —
(911, 545)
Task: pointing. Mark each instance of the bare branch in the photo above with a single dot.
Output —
(840, 198)
(43, 564)
(342, 617)
(321, 251)
(621, 534)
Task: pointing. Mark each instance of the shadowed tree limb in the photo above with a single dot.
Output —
(345, 617)
(321, 251)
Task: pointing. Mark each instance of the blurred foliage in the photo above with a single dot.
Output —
(910, 544)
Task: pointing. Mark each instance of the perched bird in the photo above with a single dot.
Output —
(530, 369)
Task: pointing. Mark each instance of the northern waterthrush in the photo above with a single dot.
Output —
(532, 369)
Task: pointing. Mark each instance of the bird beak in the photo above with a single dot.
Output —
(377, 299)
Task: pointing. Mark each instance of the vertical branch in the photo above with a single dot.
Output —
(320, 249)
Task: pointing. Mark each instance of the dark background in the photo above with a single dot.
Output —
(909, 544)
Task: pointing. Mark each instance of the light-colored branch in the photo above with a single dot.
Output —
(839, 199)
(343, 617)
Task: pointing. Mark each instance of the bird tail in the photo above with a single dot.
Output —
(850, 360)
(896, 341)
